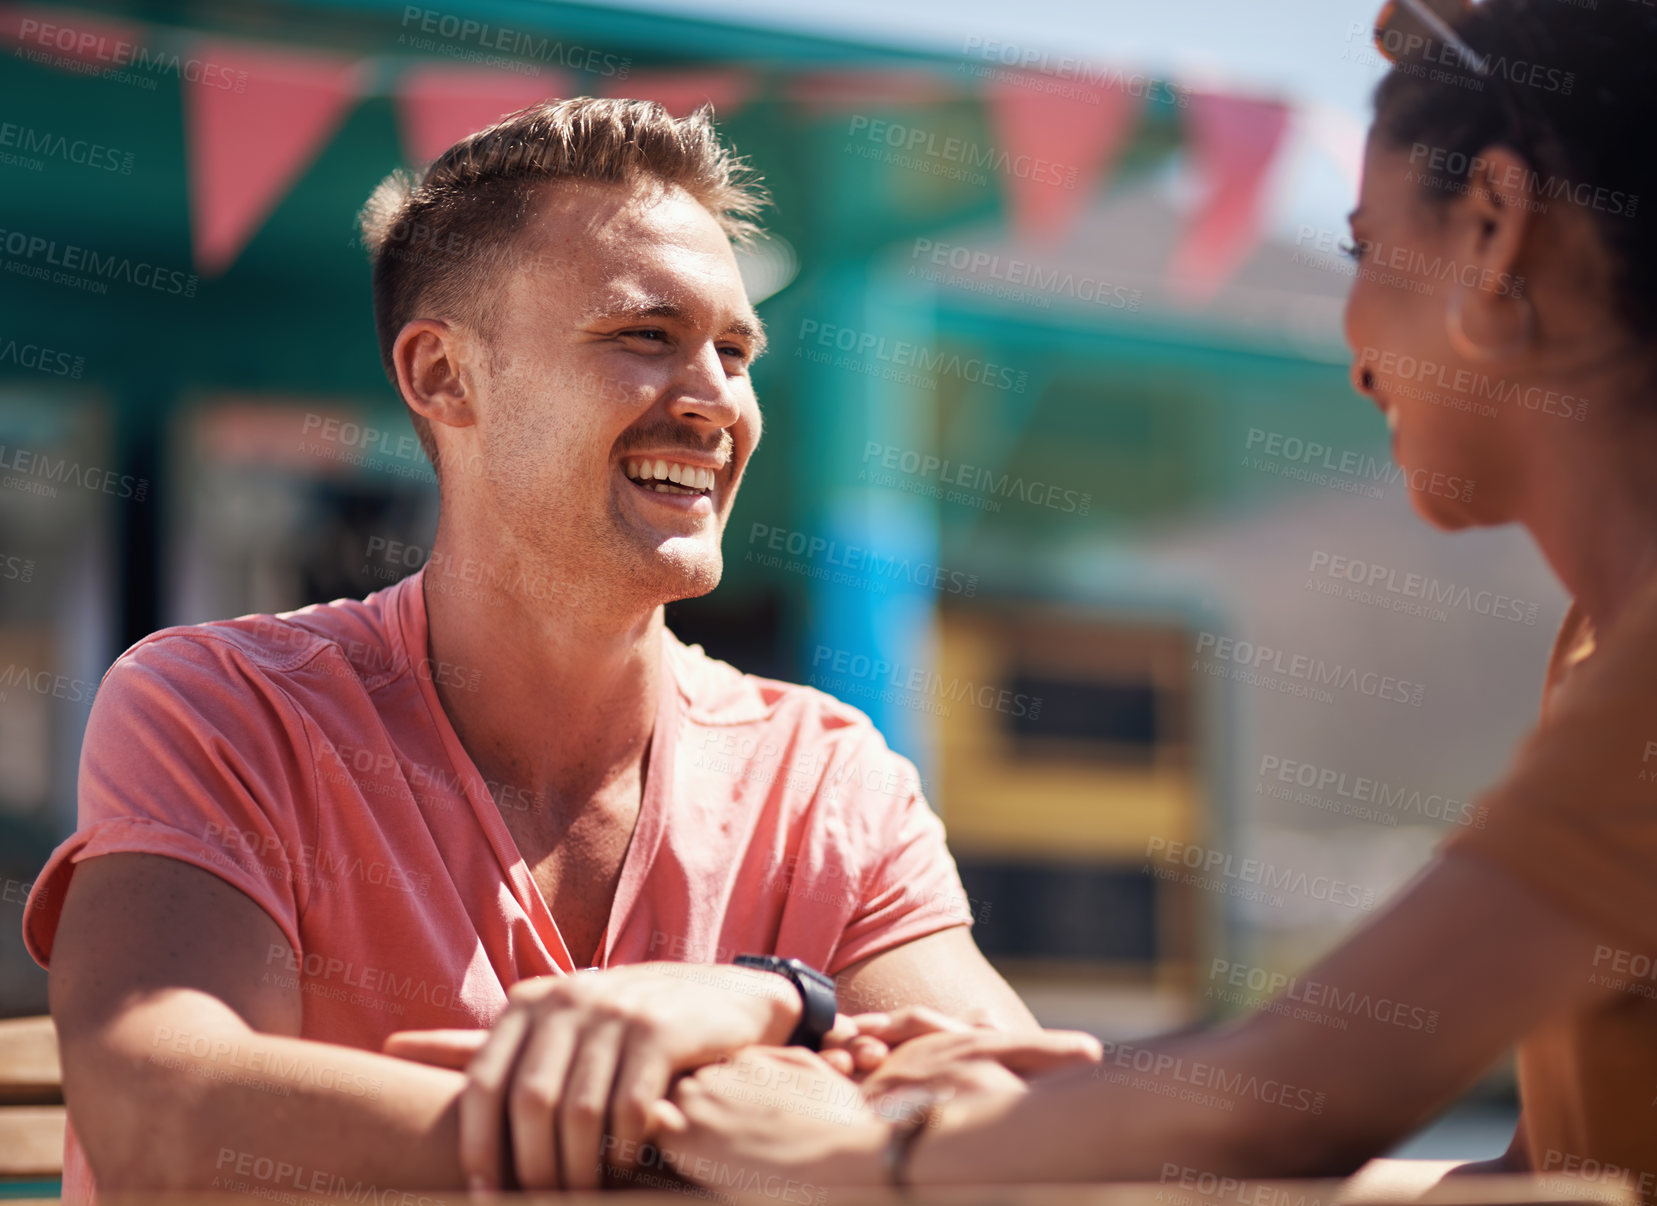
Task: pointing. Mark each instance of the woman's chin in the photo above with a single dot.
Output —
(1446, 514)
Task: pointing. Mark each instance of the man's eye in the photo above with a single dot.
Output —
(732, 349)
(654, 333)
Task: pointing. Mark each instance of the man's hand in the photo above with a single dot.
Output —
(571, 1070)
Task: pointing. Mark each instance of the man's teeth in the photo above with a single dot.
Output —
(659, 474)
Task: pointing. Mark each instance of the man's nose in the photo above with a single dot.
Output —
(703, 391)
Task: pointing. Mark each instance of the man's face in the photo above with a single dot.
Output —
(616, 414)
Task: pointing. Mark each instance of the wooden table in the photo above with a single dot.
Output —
(1373, 1186)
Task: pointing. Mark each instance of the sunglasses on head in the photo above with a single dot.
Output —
(1405, 27)
(1409, 33)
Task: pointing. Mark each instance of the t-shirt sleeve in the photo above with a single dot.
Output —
(1575, 817)
(910, 886)
(192, 753)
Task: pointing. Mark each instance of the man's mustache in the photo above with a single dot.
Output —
(669, 438)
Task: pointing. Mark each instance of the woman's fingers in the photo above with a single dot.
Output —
(867, 1053)
(442, 1048)
(901, 1025)
(1035, 1054)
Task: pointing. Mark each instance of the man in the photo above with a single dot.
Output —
(301, 834)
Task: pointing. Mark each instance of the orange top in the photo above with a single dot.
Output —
(305, 759)
(1576, 819)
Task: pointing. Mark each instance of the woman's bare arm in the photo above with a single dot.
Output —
(1280, 1095)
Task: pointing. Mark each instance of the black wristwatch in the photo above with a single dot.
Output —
(818, 1004)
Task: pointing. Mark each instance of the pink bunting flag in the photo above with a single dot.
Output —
(438, 106)
(1233, 142)
(683, 92)
(1055, 150)
(252, 126)
(61, 37)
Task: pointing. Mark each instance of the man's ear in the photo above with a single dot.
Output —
(434, 360)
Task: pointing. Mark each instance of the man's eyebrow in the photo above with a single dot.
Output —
(754, 332)
(748, 326)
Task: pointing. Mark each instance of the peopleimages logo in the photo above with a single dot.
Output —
(99, 269)
(854, 668)
(1024, 66)
(1477, 387)
(1371, 578)
(1023, 274)
(83, 49)
(902, 353)
(1200, 1080)
(1458, 166)
(852, 564)
(914, 140)
(1419, 272)
(1221, 865)
(1305, 783)
(1316, 995)
(1299, 459)
(521, 43)
(42, 359)
(1313, 671)
(27, 141)
(973, 479)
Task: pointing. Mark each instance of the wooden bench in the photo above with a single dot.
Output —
(32, 1117)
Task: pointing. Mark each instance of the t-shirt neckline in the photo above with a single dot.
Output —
(410, 630)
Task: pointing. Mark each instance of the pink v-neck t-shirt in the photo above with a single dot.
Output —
(305, 759)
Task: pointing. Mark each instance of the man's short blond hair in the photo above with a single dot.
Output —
(440, 240)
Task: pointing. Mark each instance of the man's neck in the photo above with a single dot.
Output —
(553, 694)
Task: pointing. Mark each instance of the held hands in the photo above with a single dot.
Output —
(566, 1079)
(785, 1112)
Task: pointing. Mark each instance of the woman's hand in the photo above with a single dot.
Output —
(769, 1116)
(946, 1063)
(785, 1112)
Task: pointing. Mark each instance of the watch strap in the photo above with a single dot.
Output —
(819, 1006)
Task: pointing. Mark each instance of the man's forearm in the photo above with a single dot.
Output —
(226, 1106)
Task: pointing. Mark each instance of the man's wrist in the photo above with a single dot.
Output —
(772, 1002)
(816, 992)
(787, 1007)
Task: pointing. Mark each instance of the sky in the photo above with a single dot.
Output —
(1298, 48)
(1313, 53)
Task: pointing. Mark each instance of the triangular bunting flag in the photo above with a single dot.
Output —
(248, 145)
(682, 92)
(438, 106)
(1232, 142)
(1060, 149)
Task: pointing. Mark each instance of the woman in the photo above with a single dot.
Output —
(1511, 160)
